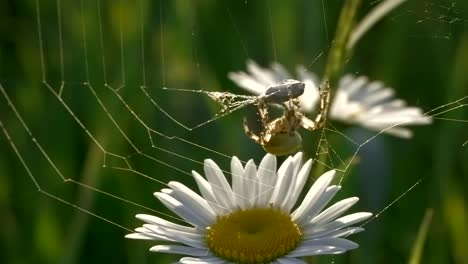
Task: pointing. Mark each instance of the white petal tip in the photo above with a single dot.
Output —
(138, 236)
(209, 162)
(158, 248)
(143, 217)
(362, 216)
(329, 175)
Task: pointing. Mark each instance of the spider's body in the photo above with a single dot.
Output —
(279, 136)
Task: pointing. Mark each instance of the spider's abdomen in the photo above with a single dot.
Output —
(283, 143)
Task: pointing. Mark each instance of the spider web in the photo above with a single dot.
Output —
(130, 124)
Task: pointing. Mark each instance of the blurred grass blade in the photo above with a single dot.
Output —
(453, 189)
(371, 19)
(455, 214)
(418, 246)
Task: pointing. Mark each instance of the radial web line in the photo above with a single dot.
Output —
(62, 67)
(70, 180)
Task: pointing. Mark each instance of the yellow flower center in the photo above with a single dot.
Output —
(253, 236)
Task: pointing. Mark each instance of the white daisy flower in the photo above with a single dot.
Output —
(357, 100)
(254, 219)
(371, 105)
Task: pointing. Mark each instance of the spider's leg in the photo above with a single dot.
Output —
(324, 103)
(263, 112)
(309, 124)
(251, 134)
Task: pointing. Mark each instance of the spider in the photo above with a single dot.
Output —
(279, 136)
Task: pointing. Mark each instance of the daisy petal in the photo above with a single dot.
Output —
(141, 236)
(339, 223)
(149, 234)
(334, 211)
(284, 173)
(280, 72)
(264, 76)
(334, 233)
(297, 162)
(299, 184)
(289, 195)
(266, 175)
(237, 175)
(245, 81)
(250, 184)
(314, 194)
(184, 212)
(287, 260)
(397, 116)
(321, 203)
(183, 250)
(193, 239)
(378, 93)
(207, 193)
(151, 219)
(284, 165)
(315, 250)
(208, 260)
(220, 186)
(311, 95)
(331, 242)
(191, 199)
(323, 246)
(393, 130)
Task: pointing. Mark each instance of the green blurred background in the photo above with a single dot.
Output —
(421, 49)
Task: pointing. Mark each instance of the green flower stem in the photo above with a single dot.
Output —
(337, 57)
(338, 52)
